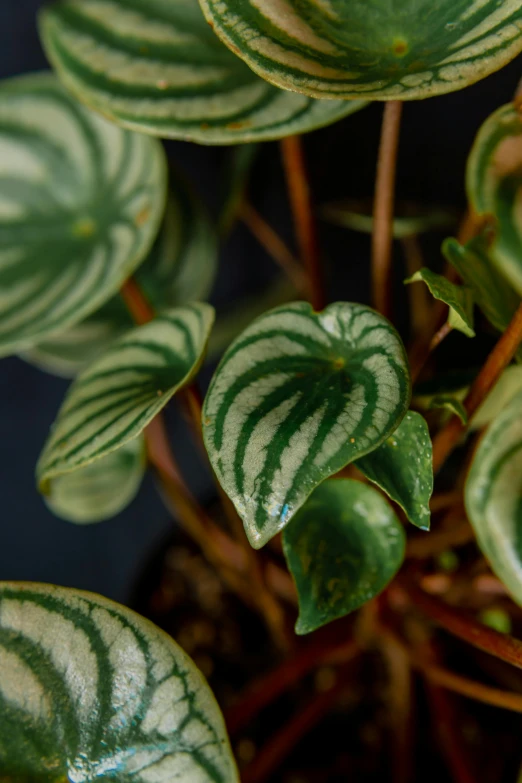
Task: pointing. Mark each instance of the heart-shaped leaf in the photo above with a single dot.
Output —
(297, 397)
(494, 185)
(180, 268)
(403, 467)
(115, 398)
(493, 496)
(80, 206)
(379, 50)
(100, 490)
(458, 298)
(92, 691)
(342, 548)
(157, 67)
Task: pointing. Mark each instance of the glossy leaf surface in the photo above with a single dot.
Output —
(115, 398)
(458, 298)
(298, 396)
(80, 206)
(403, 467)
(342, 548)
(494, 496)
(494, 184)
(100, 490)
(180, 268)
(92, 691)
(379, 50)
(156, 66)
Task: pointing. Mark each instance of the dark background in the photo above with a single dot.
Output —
(108, 558)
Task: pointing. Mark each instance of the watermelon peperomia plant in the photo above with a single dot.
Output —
(319, 424)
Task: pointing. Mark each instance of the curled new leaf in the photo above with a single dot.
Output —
(403, 467)
(157, 67)
(458, 298)
(297, 397)
(342, 548)
(91, 691)
(493, 496)
(494, 185)
(378, 50)
(80, 206)
(100, 490)
(114, 399)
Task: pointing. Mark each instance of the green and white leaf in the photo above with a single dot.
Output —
(156, 66)
(494, 185)
(180, 268)
(91, 691)
(81, 202)
(491, 292)
(403, 468)
(458, 298)
(298, 396)
(100, 490)
(422, 220)
(508, 385)
(342, 549)
(493, 496)
(115, 398)
(378, 50)
(452, 404)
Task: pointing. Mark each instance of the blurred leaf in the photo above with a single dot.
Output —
(403, 468)
(508, 386)
(298, 396)
(92, 691)
(452, 404)
(238, 172)
(81, 203)
(156, 67)
(350, 215)
(342, 548)
(458, 298)
(112, 401)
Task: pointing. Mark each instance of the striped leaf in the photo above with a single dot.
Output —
(92, 691)
(458, 298)
(297, 397)
(115, 398)
(102, 489)
(156, 67)
(403, 468)
(80, 206)
(180, 268)
(342, 548)
(380, 50)
(494, 185)
(493, 496)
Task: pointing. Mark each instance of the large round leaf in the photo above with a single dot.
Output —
(376, 49)
(115, 398)
(80, 206)
(91, 691)
(297, 397)
(494, 496)
(342, 549)
(180, 268)
(157, 67)
(494, 183)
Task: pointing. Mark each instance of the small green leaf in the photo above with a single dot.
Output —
(493, 496)
(458, 298)
(498, 619)
(342, 548)
(420, 221)
(156, 67)
(102, 489)
(80, 206)
(380, 50)
(92, 691)
(494, 185)
(491, 292)
(113, 400)
(180, 268)
(297, 397)
(403, 468)
(451, 403)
